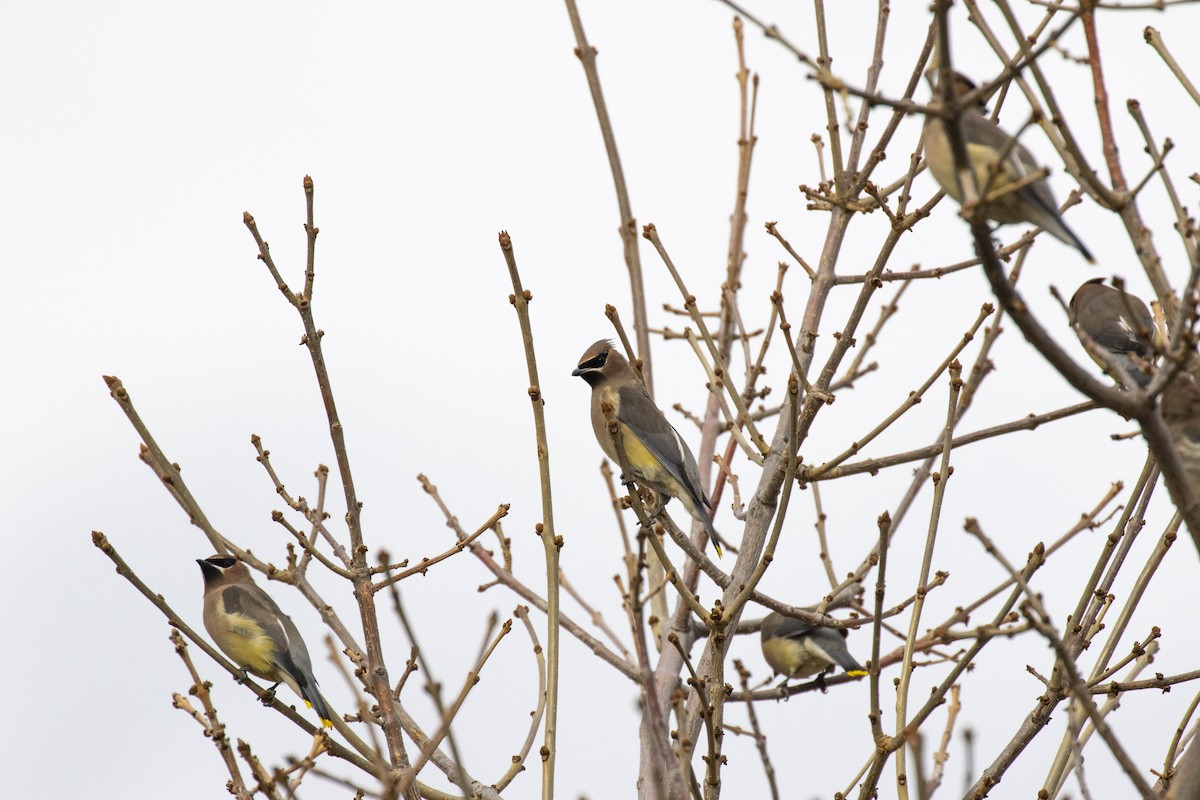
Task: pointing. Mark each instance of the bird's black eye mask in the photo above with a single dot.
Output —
(224, 562)
(594, 363)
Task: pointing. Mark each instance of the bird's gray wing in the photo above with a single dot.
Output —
(638, 412)
(1121, 335)
(1142, 323)
(792, 628)
(299, 663)
(979, 130)
(257, 605)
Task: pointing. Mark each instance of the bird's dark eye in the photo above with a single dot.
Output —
(596, 362)
(224, 562)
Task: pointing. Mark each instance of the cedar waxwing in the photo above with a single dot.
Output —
(249, 628)
(985, 141)
(796, 649)
(1117, 323)
(657, 456)
(1181, 412)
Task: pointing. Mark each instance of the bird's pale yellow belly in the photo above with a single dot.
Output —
(250, 647)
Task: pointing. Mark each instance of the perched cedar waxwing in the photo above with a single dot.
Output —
(796, 649)
(1117, 323)
(657, 456)
(985, 141)
(249, 628)
(1181, 412)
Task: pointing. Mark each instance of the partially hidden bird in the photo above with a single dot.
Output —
(796, 649)
(1180, 408)
(986, 143)
(251, 629)
(1120, 325)
(656, 457)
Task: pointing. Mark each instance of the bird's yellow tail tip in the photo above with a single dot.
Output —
(720, 552)
(856, 673)
(326, 723)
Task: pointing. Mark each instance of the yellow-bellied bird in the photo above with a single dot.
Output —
(656, 455)
(796, 649)
(249, 628)
(1118, 324)
(1181, 412)
(985, 141)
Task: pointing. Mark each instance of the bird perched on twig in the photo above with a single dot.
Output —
(655, 454)
(1118, 324)
(797, 649)
(250, 628)
(998, 162)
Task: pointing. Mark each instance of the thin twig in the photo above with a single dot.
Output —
(550, 540)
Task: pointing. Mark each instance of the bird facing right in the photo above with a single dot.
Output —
(796, 649)
(1118, 324)
(986, 142)
(251, 629)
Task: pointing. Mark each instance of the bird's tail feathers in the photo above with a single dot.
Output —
(848, 664)
(700, 508)
(712, 535)
(301, 681)
(314, 700)
(1052, 223)
(833, 645)
(856, 673)
(1137, 373)
(705, 517)
(292, 676)
(1071, 239)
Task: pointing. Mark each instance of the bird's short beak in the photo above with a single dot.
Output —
(210, 572)
(575, 372)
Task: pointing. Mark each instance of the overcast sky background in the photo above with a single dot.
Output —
(136, 134)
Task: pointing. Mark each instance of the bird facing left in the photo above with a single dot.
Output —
(655, 454)
(251, 629)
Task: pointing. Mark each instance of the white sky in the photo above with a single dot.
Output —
(134, 136)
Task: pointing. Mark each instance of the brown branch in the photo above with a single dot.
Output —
(760, 739)
(551, 542)
(913, 398)
(213, 728)
(505, 577)
(448, 714)
(1029, 422)
(377, 676)
(771, 32)
(774, 231)
(167, 470)
(1087, 13)
(587, 58)
(462, 544)
(519, 760)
